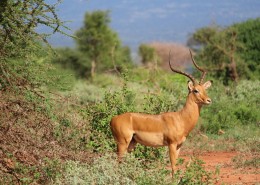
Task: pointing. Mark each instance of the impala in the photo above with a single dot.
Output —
(165, 129)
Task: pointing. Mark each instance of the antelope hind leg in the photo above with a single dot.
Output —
(132, 145)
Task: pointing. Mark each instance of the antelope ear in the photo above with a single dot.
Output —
(207, 84)
(190, 85)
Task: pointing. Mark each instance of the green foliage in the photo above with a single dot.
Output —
(56, 78)
(36, 74)
(22, 54)
(71, 59)
(31, 174)
(100, 115)
(225, 104)
(52, 168)
(248, 34)
(18, 20)
(230, 53)
(155, 104)
(107, 170)
(96, 33)
(146, 53)
(194, 174)
(100, 44)
(218, 53)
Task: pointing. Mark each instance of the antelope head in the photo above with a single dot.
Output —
(197, 91)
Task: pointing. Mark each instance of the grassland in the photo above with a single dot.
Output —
(62, 136)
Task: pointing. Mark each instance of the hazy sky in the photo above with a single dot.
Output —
(138, 21)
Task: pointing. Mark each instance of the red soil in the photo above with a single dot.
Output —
(229, 174)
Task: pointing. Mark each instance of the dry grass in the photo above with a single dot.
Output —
(30, 140)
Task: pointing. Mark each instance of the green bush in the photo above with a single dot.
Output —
(232, 106)
(107, 170)
(100, 115)
(37, 74)
(194, 174)
(249, 36)
(147, 54)
(73, 60)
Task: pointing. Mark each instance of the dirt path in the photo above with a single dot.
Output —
(228, 173)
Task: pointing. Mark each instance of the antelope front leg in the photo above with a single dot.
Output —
(121, 150)
(173, 156)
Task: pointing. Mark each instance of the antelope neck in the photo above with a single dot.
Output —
(190, 114)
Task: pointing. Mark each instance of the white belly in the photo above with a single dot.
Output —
(150, 138)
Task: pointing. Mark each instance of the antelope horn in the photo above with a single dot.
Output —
(181, 72)
(199, 68)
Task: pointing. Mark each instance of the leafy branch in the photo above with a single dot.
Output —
(18, 22)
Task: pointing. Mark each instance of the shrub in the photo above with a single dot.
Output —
(71, 59)
(233, 106)
(194, 174)
(106, 170)
(147, 54)
(100, 115)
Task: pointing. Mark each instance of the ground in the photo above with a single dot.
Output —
(229, 173)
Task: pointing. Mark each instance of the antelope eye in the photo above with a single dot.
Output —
(195, 91)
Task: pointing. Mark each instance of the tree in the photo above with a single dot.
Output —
(248, 34)
(98, 42)
(230, 53)
(18, 20)
(147, 54)
(19, 38)
(218, 51)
